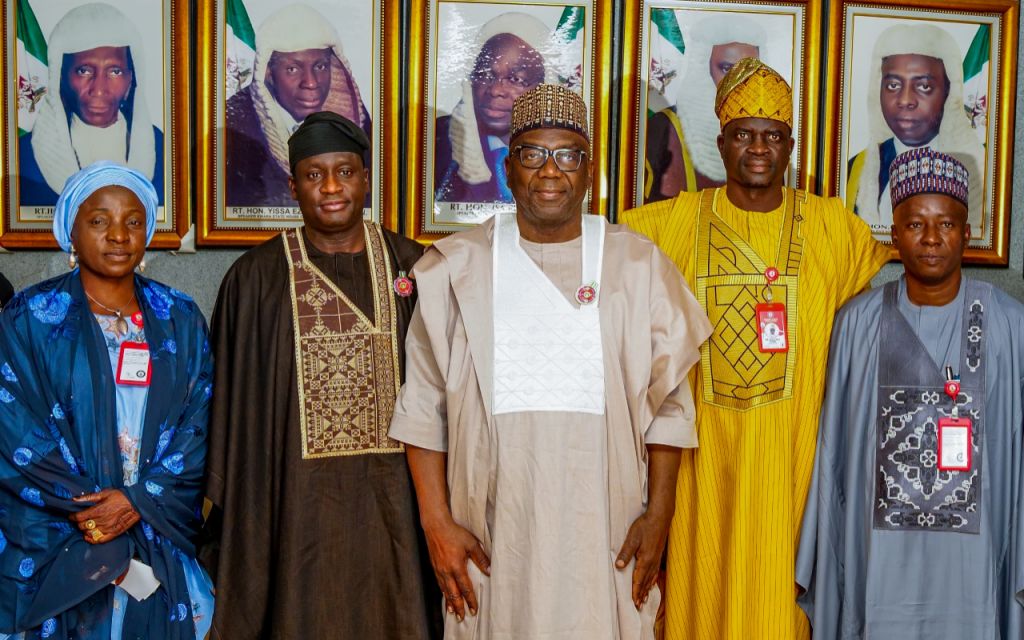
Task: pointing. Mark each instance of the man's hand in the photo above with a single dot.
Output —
(451, 546)
(110, 516)
(646, 538)
(645, 541)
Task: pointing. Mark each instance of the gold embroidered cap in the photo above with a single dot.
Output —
(752, 89)
(549, 105)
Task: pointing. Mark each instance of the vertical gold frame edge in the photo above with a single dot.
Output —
(833, 92)
(810, 83)
(629, 108)
(415, 100)
(206, 131)
(391, 111)
(4, 147)
(600, 93)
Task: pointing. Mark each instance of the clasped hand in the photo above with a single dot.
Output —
(111, 515)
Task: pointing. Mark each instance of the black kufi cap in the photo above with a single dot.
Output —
(326, 132)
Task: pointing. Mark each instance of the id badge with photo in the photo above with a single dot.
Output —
(771, 327)
(133, 365)
(954, 444)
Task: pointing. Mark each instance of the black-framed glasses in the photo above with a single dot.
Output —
(532, 157)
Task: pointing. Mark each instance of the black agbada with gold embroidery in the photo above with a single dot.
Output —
(300, 545)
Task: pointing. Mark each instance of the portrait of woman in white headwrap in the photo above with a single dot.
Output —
(94, 108)
(510, 54)
(300, 68)
(914, 95)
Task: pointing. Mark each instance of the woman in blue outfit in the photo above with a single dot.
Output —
(105, 381)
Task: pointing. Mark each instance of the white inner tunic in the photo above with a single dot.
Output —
(547, 348)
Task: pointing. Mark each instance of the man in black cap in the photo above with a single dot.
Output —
(313, 531)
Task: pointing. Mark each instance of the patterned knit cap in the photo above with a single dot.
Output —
(549, 105)
(752, 89)
(926, 170)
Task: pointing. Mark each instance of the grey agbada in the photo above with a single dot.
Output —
(871, 562)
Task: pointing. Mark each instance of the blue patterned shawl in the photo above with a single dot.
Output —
(58, 439)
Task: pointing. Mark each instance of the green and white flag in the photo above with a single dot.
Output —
(31, 62)
(568, 35)
(667, 49)
(240, 49)
(976, 71)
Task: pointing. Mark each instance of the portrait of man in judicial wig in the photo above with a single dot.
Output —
(926, 79)
(91, 85)
(282, 62)
(482, 57)
(687, 48)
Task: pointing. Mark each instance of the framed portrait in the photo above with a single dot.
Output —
(468, 61)
(675, 54)
(924, 73)
(263, 66)
(90, 81)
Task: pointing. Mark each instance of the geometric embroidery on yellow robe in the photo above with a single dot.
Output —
(740, 495)
(730, 284)
(346, 365)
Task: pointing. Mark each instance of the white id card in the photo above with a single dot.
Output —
(133, 366)
(955, 444)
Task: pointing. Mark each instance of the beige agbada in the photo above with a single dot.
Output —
(550, 495)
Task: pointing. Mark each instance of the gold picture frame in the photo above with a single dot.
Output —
(29, 192)
(655, 69)
(857, 141)
(425, 20)
(372, 67)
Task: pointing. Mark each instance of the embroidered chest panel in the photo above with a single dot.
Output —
(730, 283)
(911, 492)
(346, 365)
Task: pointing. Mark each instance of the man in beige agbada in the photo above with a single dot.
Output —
(546, 402)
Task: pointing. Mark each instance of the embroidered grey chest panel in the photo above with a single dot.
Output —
(911, 492)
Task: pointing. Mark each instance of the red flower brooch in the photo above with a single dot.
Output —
(403, 285)
(586, 294)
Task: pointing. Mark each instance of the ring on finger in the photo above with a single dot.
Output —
(96, 534)
(90, 524)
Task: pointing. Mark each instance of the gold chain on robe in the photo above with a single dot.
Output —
(346, 365)
(730, 280)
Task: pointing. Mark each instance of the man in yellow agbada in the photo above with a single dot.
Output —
(770, 265)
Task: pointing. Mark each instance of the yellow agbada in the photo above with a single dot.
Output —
(740, 496)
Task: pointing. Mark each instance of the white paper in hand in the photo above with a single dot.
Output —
(140, 582)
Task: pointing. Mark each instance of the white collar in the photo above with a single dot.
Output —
(99, 143)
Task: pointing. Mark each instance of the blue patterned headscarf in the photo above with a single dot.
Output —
(86, 182)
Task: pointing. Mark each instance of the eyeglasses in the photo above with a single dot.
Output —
(532, 157)
(519, 80)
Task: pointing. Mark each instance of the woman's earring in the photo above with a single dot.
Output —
(72, 259)
(142, 266)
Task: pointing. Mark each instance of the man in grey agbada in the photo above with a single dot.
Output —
(913, 527)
